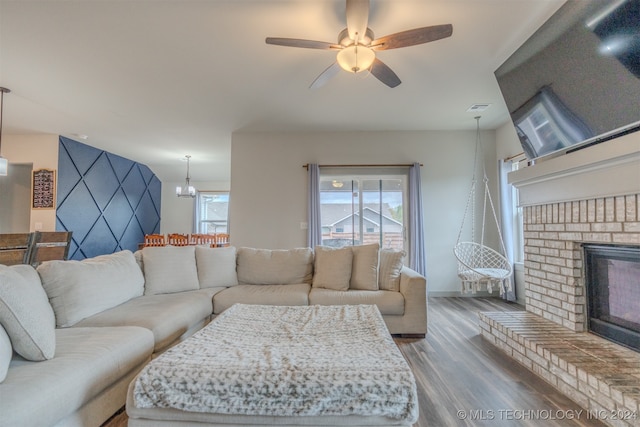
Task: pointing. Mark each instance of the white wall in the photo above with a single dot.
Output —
(269, 185)
(15, 199)
(42, 152)
(176, 213)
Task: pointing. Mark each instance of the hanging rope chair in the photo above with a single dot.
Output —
(480, 265)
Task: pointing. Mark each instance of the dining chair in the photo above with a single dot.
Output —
(221, 240)
(15, 248)
(202, 239)
(154, 240)
(176, 239)
(49, 246)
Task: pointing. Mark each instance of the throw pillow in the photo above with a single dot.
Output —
(275, 266)
(6, 351)
(169, 269)
(364, 273)
(79, 289)
(216, 266)
(25, 313)
(138, 256)
(390, 267)
(332, 268)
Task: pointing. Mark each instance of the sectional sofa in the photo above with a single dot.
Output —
(73, 334)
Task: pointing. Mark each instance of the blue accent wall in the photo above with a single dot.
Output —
(107, 201)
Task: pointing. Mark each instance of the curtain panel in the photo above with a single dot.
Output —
(314, 232)
(506, 217)
(417, 258)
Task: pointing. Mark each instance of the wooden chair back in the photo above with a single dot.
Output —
(49, 246)
(202, 239)
(178, 239)
(15, 248)
(222, 240)
(154, 240)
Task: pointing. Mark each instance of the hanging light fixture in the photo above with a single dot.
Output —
(4, 163)
(187, 190)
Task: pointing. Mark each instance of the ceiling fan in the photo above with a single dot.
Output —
(357, 46)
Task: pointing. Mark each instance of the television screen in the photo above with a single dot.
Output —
(576, 81)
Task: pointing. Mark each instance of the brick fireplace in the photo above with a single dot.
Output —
(589, 196)
(554, 233)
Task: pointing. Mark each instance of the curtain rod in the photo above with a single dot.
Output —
(399, 165)
(515, 156)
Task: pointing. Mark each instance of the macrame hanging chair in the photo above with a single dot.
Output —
(480, 265)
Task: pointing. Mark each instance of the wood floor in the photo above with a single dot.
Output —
(465, 381)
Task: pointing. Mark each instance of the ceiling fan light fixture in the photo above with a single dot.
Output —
(356, 58)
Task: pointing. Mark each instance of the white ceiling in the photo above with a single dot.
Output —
(155, 80)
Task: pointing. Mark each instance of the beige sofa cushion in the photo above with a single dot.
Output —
(88, 361)
(274, 266)
(168, 316)
(295, 294)
(389, 303)
(79, 289)
(332, 268)
(5, 353)
(364, 272)
(25, 313)
(169, 269)
(389, 269)
(216, 266)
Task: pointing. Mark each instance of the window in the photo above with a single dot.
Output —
(363, 206)
(212, 212)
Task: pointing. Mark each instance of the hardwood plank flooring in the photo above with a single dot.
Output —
(457, 370)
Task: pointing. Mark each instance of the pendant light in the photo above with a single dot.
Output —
(4, 163)
(187, 190)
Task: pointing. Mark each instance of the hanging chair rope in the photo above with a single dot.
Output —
(478, 264)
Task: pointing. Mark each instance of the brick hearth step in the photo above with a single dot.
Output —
(595, 373)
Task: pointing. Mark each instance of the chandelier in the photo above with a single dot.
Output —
(187, 190)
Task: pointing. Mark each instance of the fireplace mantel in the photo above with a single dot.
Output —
(608, 169)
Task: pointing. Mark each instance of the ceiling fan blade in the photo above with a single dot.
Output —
(385, 74)
(357, 19)
(412, 37)
(309, 44)
(325, 76)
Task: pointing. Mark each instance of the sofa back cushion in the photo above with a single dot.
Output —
(6, 351)
(275, 266)
(216, 266)
(364, 272)
(169, 269)
(79, 289)
(25, 313)
(333, 268)
(389, 270)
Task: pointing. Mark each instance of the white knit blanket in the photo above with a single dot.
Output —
(285, 361)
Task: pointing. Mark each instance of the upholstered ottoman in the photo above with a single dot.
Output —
(274, 365)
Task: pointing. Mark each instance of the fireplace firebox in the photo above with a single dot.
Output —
(612, 277)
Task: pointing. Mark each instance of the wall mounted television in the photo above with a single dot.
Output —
(576, 81)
